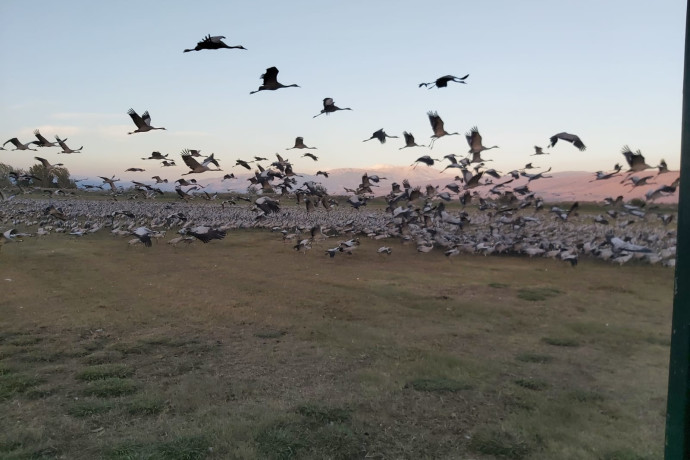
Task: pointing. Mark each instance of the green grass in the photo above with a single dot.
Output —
(500, 443)
(287, 440)
(16, 383)
(180, 448)
(103, 357)
(532, 384)
(105, 371)
(529, 357)
(438, 385)
(344, 358)
(86, 408)
(146, 405)
(561, 341)
(110, 387)
(538, 293)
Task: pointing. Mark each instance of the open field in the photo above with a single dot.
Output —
(243, 348)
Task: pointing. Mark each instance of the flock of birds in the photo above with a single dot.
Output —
(506, 219)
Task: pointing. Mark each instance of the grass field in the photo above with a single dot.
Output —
(244, 349)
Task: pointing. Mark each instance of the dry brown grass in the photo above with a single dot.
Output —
(243, 348)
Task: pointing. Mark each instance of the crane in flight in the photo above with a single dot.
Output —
(442, 82)
(409, 141)
(143, 122)
(380, 135)
(329, 107)
(213, 43)
(271, 82)
(42, 141)
(19, 146)
(572, 138)
(437, 127)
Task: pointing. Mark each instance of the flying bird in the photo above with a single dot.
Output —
(66, 149)
(426, 159)
(110, 182)
(380, 135)
(442, 82)
(635, 160)
(144, 235)
(474, 139)
(437, 127)
(42, 141)
(329, 107)
(311, 155)
(156, 156)
(213, 43)
(299, 144)
(206, 234)
(47, 165)
(19, 146)
(243, 163)
(409, 141)
(572, 138)
(271, 81)
(538, 151)
(198, 168)
(663, 167)
(143, 123)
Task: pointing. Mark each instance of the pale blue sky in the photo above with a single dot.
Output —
(609, 71)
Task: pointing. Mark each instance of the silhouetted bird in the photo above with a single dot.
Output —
(442, 82)
(212, 43)
(271, 81)
(329, 107)
(572, 138)
(380, 135)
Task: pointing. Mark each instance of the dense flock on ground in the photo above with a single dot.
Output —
(619, 233)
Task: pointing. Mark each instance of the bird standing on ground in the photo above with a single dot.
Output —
(271, 81)
(380, 135)
(442, 82)
(143, 123)
(437, 127)
(213, 43)
(572, 138)
(329, 107)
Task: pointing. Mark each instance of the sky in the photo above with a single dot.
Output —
(609, 71)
